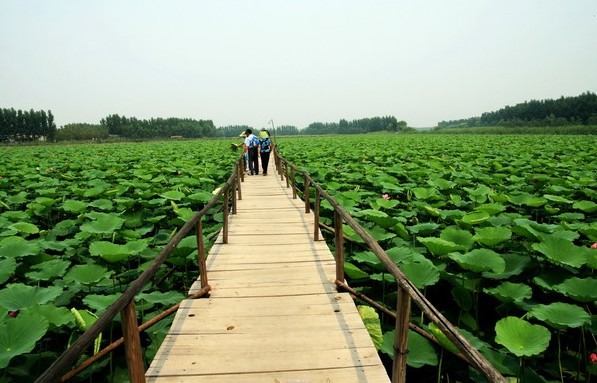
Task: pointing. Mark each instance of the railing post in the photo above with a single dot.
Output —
(225, 216)
(339, 241)
(286, 174)
(306, 196)
(293, 179)
(233, 197)
(401, 338)
(132, 343)
(241, 173)
(201, 253)
(316, 214)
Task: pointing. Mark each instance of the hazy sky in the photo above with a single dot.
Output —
(290, 61)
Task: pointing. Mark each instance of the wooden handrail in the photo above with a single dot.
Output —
(69, 356)
(410, 292)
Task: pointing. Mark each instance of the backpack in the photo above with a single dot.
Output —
(254, 142)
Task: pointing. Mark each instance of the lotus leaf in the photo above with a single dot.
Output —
(24, 228)
(527, 199)
(372, 324)
(423, 228)
(19, 335)
(102, 204)
(109, 251)
(74, 206)
(87, 274)
(462, 297)
(479, 260)
(7, 268)
(458, 236)
(56, 316)
(104, 224)
(580, 289)
(586, 206)
(17, 247)
(442, 338)
(421, 274)
(48, 270)
(99, 303)
(167, 298)
(475, 218)
(17, 296)
(491, 208)
(492, 236)
(353, 272)
(420, 350)
(173, 195)
(439, 246)
(561, 315)
(562, 251)
(521, 337)
(510, 292)
(426, 193)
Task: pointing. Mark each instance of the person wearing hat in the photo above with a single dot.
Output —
(252, 148)
(265, 148)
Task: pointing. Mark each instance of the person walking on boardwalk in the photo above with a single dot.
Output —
(265, 148)
(252, 147)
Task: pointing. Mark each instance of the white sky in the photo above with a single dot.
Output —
(296, 62)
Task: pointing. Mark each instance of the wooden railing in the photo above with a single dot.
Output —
(125, 304)
(407, 292)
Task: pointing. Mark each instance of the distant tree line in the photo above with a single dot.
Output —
(364, 125)
(82, 131)
(565, 111)
(19, 125)
(131, 127)
(236, 130)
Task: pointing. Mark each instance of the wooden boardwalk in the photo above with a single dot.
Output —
(274, 314)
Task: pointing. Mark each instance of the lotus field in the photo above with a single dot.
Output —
(78, 224)
(499, 232)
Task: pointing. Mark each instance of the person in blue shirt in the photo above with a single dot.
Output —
(265, 148)
(252, 148)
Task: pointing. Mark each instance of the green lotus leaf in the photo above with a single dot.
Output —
(379, 217)
(353, 272)
(45, 201)
(167, 298)
(461, 237)
(109, 251)
(510, 292)
(87, 274)
(586, 206)
(370, 259)
(19, 335)
(173, 195)
(521, 337)
(185, 213)
(442, 184)
(379, 234)
(16, 296)
(372, 324)
(580, 289)
(48, 270)
(420, 350)
(562, 251)
(99, 303)
(104, 224)
(24, 228)
(102, 204)
(491, 208)
(56, 316)
(439, 246)
(527, 199)
(201, 197)
(515, 264)
(480, 260)
(557, 199)
(434, 212)
(475, 218)
(442, 338)
(421, 274)
(382, 277)
(491, 236)
(570, 217)
(386, 204)
(561, 315)
(7, 268)
(423, 228)
(425, 193)
(17, 247)
(74, 206)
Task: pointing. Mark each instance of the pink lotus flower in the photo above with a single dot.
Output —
(385, 196)
(13, 314)
(593, 358)
(594, 246)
